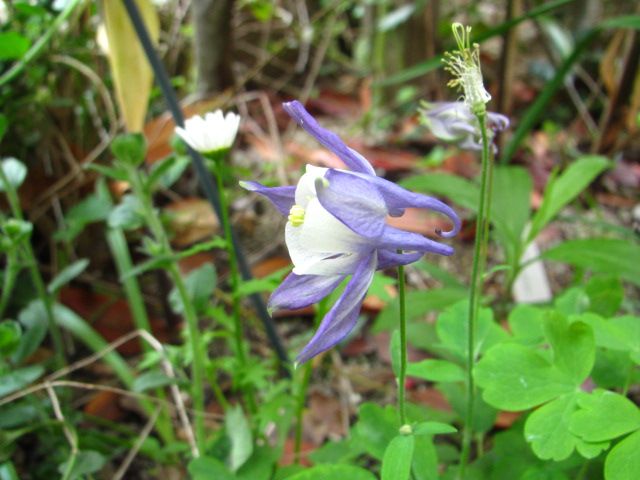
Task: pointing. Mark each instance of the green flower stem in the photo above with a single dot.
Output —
(475, 294)
(300, 401)
(199, 355)
(241, 354)
(36, 277)
(301, 394)
(120, 251)
(402, 374)
(9, 280)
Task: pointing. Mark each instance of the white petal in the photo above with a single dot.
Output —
(323, 245)
(306, 188)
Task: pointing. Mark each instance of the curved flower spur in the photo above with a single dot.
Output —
(337, 227)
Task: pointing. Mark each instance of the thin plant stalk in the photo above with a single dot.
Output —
(36, 277)
(402, 374)
(9, 280)
(120, 251)
(190, 315)
(234, 274)
(475, 294)
(301, 394)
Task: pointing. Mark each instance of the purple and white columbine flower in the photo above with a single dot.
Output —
(453, 122)
(337, 227)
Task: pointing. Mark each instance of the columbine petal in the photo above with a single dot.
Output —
(355, 201)
(343, 316)
(315, 252)
(283, 198)
(397, 198)
(394, 238)
(299, 291)
(390, 258)
(330, 140)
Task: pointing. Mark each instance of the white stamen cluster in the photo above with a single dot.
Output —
(464, 65)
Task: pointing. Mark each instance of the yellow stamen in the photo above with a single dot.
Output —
(296, 215)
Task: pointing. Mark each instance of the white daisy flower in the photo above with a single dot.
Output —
(211, 133)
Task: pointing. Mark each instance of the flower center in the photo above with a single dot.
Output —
(296, 215)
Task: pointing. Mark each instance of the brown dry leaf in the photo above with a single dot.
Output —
(323, 418)
(192, 220)
(506, 419)
(269, 266)
(105, 405)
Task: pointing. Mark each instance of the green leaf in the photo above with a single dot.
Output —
(200, 284)
(93, 208)
(526, 323)
(340, 451)
(67, 274)
(436, 371)
(425, 463)
(418, 303)
(433, 428)
(15, 171)
(239, 433)
(127, 214)
(333, 472)
(396, 463)
(453, 333)
(605, 294)
(33, 319)
(13, 45)
(515, 377)
(10, 333)
(574, 346)
(260, 285)
(130, 148)
(8, 471)
(207, 468)
(603, 255)
(168, 170)
(19, 378)
(623, 461)
(511, 207)
(460, 190)
(116, 173)
(564, 188)
(439, 274)
(484, 415)
(375, 428)
(86, 463)
(151, 379)
(260, 464)
(547, 429)
(604, 415)
(4, 124)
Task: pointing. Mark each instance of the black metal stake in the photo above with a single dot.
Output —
(204, 175)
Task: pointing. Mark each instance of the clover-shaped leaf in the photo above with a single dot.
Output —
(604, 415)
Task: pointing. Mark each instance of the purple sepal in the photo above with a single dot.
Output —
(390, 258)
(355, 201)
(397, 198)
(343, 316)
(299, 291)
(330, 140)
(283, 198)
(394, 238)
